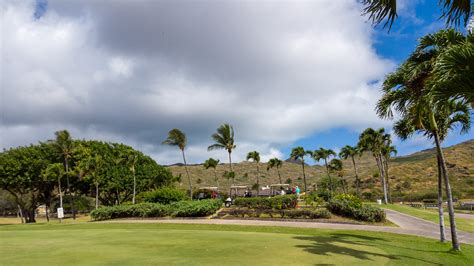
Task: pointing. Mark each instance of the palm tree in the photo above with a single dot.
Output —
(177, 138)
(299, 153)
(350, 151)
(130, 158)
(387, 151)
(374, 141)
(336, 165)
(212, 163)
(224, 140)
(277, 163)
(255, 156)
(325, 154)
(455, 12)
(409, 91)
(64, 145)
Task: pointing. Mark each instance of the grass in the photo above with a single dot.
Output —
(432, 215)
(119, 244)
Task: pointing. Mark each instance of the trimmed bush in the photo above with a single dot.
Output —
(351, 206)
(164, 195)
(195, 208)
(277, 202)
(142, 210)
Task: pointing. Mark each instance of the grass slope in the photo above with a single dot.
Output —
(432, 215)
(418, 171)
(120, 244)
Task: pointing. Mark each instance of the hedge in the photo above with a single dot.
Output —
(351, 206)
(290, 213)
(142, 210)
(277, 202)
(164, 195)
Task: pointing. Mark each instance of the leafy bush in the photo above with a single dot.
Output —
(312, 199)
(277, 202)
(142, 210)
(351, 206)
(306, 213)
(195, 208)
(164, 195)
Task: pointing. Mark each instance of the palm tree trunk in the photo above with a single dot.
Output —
(258, 180)
(449, 196)
(134, 184)
(304, 176)
(97, 195)
(387, 180)
(329, 176)
(60, 193)
(231, 169)
(442, 236)
(217, 179)
(20, 212)
(187, 173)
(356, 176)
(71, 197)
(279, 177)
(382, 178)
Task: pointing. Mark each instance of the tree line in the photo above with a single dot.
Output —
(65, 169)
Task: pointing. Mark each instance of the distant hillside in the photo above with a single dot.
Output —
(412, 174)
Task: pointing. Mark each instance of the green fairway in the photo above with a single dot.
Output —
(93, 243)
(432, 215)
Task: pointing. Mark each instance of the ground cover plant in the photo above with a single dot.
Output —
(104, 243)
(144, 210)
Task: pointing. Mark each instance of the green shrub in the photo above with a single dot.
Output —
(142, 210)
(277, 202)
(312, 199)
(351, 206)
(195, 208)
(164, 195)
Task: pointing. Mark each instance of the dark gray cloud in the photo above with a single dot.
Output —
(131, 70)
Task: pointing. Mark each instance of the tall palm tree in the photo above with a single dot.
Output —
(374, 141)
(336, 165)
(277, 163)
(255, 156)
(224, 140)
(352, 151)
(455, 12)
(177, 138)
(299, 153)
(409, 91)
(325, 154)
(130, 158)
(64, 145)
(387, 151)
(212, 163)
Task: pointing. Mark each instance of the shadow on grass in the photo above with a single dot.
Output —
(324, 245)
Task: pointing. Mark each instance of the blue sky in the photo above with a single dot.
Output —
(283, 73)
(422, 18)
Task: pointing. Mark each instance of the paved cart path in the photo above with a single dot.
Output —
(408, 225)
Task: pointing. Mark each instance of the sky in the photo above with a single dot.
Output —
(283, 73)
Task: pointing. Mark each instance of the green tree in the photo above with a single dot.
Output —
(351, 152)
(64, 146)
(177, 138)
(456, 12)
(53, 172)
(224, 140)
(299, 153)
(21, 174)
(277, 163)
(336, 166)
(255, 156)
(213, 163)
(409, 91)
(325, 154)
(374, 141)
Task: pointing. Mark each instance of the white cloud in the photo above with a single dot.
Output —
(123, 71)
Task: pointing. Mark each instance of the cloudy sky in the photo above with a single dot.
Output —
(283, 73)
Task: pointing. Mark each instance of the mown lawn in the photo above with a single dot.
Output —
(121, 244)
(432, 215)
